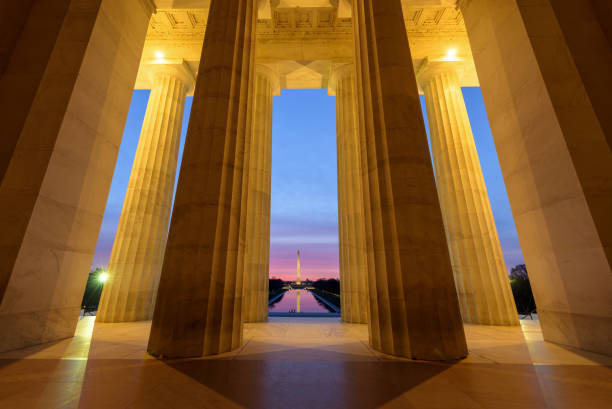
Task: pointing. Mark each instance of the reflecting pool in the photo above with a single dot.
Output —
(299, 301)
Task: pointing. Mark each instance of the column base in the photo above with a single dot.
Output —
(506, 322)
(26, 329)
(585, 332)
(255, 320)
(114, 320)
(176, 349)
(434, 354)
(353, 321)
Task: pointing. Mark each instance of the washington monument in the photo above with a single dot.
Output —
(298, 281)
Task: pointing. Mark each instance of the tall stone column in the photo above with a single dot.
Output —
(17, 18)
(544, 71)
(414, 310)
(257, 257)
(65, 120)
(200, 297)
(351, 230)
(138, 251)
(480, 272)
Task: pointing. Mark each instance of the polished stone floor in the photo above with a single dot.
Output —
(302, 363)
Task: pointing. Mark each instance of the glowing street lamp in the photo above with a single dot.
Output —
(103, 277)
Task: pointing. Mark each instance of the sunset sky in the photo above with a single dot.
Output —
(304, 185)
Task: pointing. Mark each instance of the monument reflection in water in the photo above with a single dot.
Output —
(299, 301)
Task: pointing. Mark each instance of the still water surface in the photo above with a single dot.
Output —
(298, 301)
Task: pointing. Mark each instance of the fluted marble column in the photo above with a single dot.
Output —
(480, 272)
(545, 77)
(414, 310)
(351, 230)
(65, 94)
(138, 251)
(199, 302)
(257, 257)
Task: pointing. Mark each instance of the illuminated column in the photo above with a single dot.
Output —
(257, 258)
(298, 281)
(480, 273)
(138, 251)
(198, 310)
(65, 94)
(352, 245)
(414, 310)
(545, 77)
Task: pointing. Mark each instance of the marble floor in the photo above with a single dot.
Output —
(302, 363)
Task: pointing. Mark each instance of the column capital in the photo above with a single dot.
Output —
(175, 68)
(338, 71)
(272, 75)
(431, 68)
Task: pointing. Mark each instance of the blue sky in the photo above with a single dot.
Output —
(304, 185)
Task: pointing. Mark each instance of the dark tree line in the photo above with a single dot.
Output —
(331, 285)
(519, 281)
(275, 287)
(276, 284)
(521, 290)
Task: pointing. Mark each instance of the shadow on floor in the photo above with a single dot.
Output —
(269, 383)
(334, 369)
(325, 382)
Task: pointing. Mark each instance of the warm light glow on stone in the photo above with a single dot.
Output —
(159, 55)
(451, 55)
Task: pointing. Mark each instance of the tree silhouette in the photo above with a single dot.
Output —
(521, 290)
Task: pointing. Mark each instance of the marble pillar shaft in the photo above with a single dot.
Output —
(480, 272)
(199, 303)
(13, 17)
(544, 103)
(245, 192)
(258, 213)
(352, 246)
(586, 27)
(67, 134)
(602, 9)
(138, 251)
(17, 18)
(414, 310)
